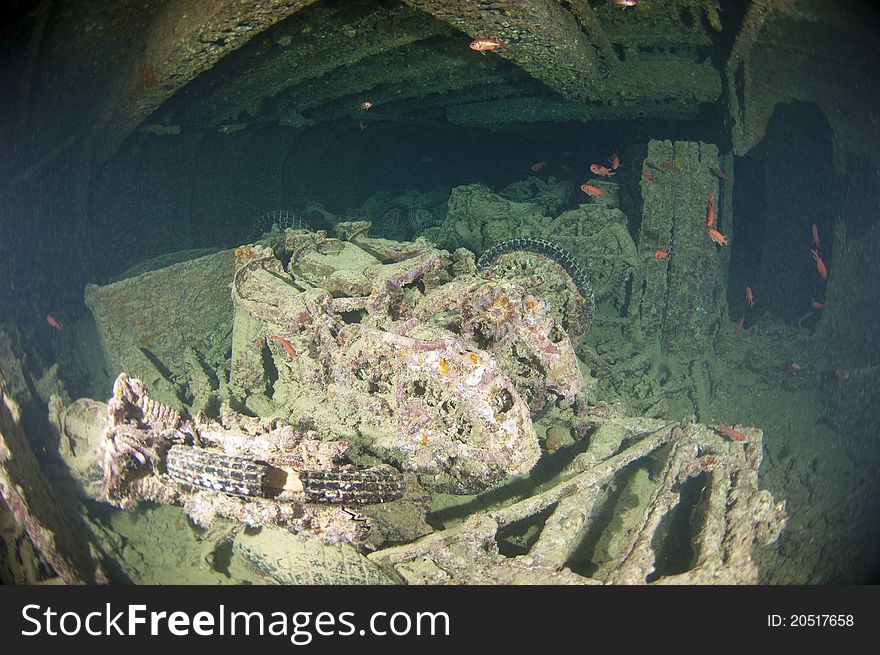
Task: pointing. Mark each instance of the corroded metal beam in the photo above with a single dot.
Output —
(59, 535)
(543, 39)
(301, 54)
(639, 88)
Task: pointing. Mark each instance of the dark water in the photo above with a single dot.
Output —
(118, 150)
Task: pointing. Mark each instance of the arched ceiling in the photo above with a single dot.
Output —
(98, 71)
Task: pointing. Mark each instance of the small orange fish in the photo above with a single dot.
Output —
(717, 237)
(365, 105)
(486, 45)
(720, 174)
(816, 304)
(648, 176)
(710, 212)
(736, 435)
(591, 190)
(739, 325)
(797, 367)
(820, 265)
(615, 161)
(286, 345)
(601, 170)
(750, 297)
(538, 166)
(669, 166)
(815, 231)
(51, 320)
(661, 253)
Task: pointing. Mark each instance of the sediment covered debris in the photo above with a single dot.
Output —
(397, 374)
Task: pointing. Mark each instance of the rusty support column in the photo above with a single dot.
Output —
(680, 298)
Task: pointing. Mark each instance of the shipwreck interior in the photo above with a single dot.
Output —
(639, 236)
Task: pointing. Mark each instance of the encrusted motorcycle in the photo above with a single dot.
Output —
(357, 363)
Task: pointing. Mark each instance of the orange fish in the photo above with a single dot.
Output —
(817, 304)
(486, 45)
(721, 174)
(730, 432)
(601, 170)
(820, 265)
(648, 176)
(615, 161)
(591, 190)
(660, 253)
(51, 320)
(710, 212)
(538, 166)
(796, 367)
(669, 166)
(815, 236)
(286, 345)
(739, 325)
(750, 297)
(365, 105)
(717, 237)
